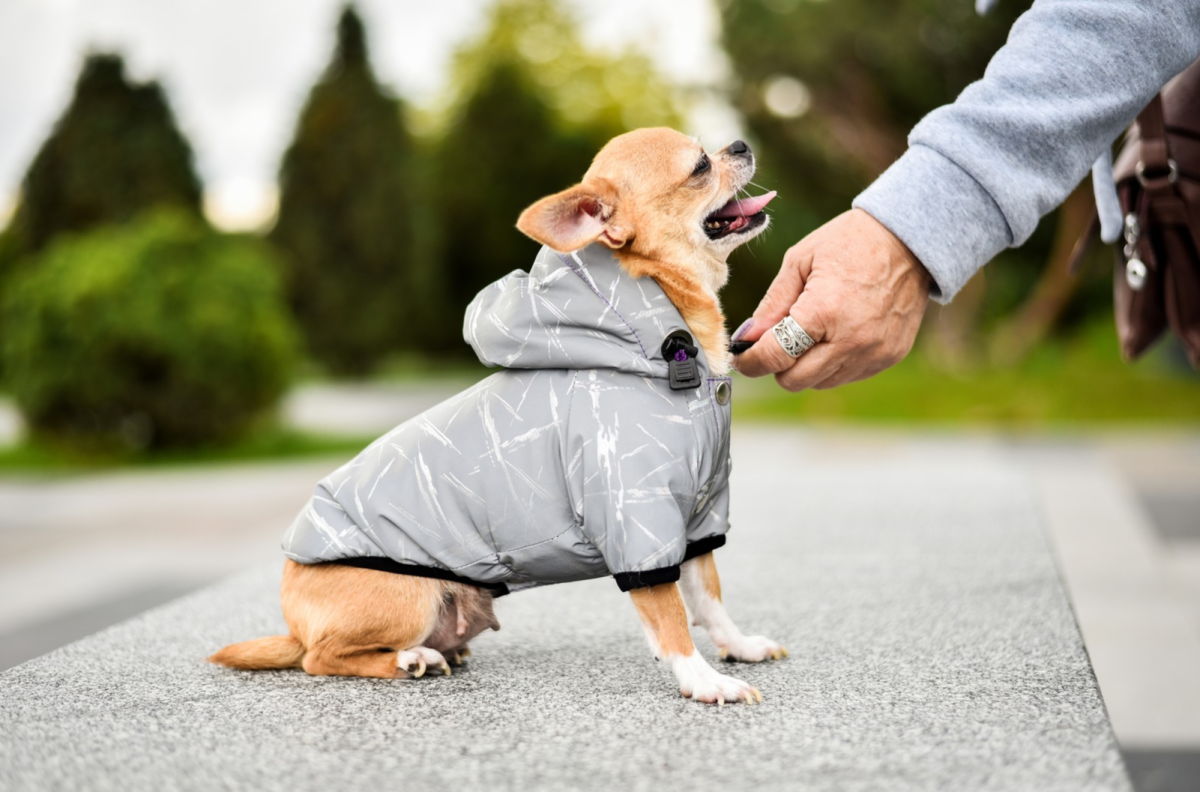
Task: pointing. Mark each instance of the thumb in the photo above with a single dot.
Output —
(766, 356)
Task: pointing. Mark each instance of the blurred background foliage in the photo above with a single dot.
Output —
(527, 108)
(114, 153)
(583, 90)
(392, 217)
(147, 335)
(346, 221)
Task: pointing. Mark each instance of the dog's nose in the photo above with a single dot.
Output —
(739, 147)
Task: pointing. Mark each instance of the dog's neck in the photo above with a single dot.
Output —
(695, 300)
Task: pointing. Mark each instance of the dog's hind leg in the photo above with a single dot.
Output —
(361, 622)
(702, 593)
(424, 660)
(386, 662)
(375, 661)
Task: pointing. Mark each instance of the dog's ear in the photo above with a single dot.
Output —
(576, 218)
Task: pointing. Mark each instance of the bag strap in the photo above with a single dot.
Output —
(1156, 171)
(1155, 159)
(1164, 204)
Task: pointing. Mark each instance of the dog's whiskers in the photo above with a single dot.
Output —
(741, 191)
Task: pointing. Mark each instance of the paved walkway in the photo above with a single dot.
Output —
(79, 554)
(933, 647)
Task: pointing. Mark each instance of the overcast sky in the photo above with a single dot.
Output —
(237, 71)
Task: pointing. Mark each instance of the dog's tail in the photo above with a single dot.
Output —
(277, 651)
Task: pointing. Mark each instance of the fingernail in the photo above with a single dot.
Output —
(742, 330)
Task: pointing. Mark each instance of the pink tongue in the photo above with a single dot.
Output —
(744, 207)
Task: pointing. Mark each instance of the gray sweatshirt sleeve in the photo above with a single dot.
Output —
(980, 173)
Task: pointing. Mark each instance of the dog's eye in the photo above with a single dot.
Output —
(702, 166)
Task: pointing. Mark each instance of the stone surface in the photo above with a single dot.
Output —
(932, 647)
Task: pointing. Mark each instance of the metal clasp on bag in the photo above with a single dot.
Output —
(1135, 269)
(1172, 172)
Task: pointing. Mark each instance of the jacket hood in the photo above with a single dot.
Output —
(578, 310)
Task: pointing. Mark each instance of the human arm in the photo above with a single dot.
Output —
(978, 175)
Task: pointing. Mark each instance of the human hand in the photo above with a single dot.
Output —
(856, 289)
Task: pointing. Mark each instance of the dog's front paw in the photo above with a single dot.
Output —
(700, 682)
(752, 649)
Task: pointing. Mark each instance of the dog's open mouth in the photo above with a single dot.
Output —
(737, 216)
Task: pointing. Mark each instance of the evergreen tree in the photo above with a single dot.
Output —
(345, 213)
(529, 106)
(503, 154)
(586, 90)
(114, 153)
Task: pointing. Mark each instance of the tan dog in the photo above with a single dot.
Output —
(667, 210)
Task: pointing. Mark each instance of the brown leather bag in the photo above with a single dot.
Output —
(1157, 278)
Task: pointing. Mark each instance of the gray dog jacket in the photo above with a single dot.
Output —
(577, 461)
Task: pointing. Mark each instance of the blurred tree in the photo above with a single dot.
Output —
(151, 334)
(528, 108)
(114, 153)
(829, 92)
(503, 153)
(346, 213)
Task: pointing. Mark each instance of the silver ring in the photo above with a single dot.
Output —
(792, 337)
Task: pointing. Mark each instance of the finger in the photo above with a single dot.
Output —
(812, 368)
(810, 312)
(765, 357)
(785, 289)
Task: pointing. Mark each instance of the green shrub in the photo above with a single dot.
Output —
(159, 333)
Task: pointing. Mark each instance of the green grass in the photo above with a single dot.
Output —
(270, 444)
(1076, 383)
(1081, 383)
(36, 457)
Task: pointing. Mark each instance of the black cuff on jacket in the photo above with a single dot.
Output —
(701, 546)
(628, 581)
(653, 577)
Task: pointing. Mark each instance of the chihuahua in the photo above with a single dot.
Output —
(600, 449)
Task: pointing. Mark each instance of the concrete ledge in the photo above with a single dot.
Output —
(1144, 642)
(932, 648)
